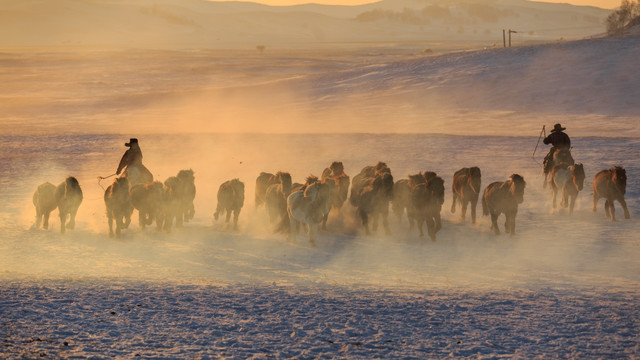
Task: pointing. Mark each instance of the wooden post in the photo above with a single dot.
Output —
(511, 31)
(504, 39)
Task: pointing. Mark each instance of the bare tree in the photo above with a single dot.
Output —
(622, 18)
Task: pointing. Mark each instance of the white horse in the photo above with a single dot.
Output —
(308, 207)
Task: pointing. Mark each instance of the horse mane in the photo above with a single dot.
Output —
(475, 171)
(311, 179)
(428, 175)
(186, 175)
(417, 179)
(72, 182)
(336, 168)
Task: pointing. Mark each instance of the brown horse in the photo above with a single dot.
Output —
(435, 187)
(118, 202)
(44, 199)
(560, 157)
(504, 197)
(68, 197)
(172, 203)
(466, 190)
(402, 200)
(276, 196)
(371, 195)
(188, 193)
(569, 179)
(147, 199)
(335, 173)
(611, 184)
(263, 181)
(231, 200)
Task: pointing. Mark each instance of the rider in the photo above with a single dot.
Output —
(131, 157)
(559, 140)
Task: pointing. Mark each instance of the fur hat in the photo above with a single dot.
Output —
(558, 127)
(131, 141)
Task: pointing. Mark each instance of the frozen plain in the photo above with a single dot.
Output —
(562, 287)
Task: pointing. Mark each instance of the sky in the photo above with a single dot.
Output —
(606, 4)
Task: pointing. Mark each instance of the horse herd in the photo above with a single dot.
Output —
(373, 193)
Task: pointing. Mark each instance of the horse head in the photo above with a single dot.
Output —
(577, 173)
(517, 187)
(284, 178)
(337, 168)
(386, 184)
(475, 179)
(435, 186)
(71, 183)
(428, 175)
(186, 176)
(417, 179)
(619, 177)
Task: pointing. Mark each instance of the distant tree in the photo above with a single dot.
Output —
(627, 15)
(260, 48)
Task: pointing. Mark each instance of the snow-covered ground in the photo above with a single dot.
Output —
(564, 286)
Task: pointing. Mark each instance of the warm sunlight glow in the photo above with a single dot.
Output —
(605, 4)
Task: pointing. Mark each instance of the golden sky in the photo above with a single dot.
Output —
(607, 4)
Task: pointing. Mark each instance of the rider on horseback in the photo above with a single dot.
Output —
(559, 140)
(132, 158)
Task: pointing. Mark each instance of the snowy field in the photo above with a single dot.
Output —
(563, 286)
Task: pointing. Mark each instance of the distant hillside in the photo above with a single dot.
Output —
(206, 24)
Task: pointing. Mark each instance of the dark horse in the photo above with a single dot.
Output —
(118, 202)
(44, 199)
(569, 179)
(276, 196)
(426, 197)
(371, 192)
(504, 197)
(560, 157)
(231, 200)
(147, 199)
(188, 194)
(466, 190)
(611, 184)
(68, 197)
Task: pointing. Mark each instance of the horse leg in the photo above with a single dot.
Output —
(463, 212)
(227, 218)
(420, 220)
(612, 210)
(555, 194)
(453, 202)
(572, 202)
(141, 219)
(474, 203)
(63, 221)
(45, 220)
(606, 210)
(110, 220)
(365, 220)
(624, 207)
(494, 222)
(72, 219)
(385, 222)
(431, 227)
(118, 225)
(325, 217)
(313, 230)
(236, 214)
(564, 203)
(374, 225)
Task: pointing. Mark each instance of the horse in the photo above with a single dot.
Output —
(68, 197)
(188, 193)
(611, 184)
(147, 199)
(137, 174)
(402, 200)
(569, 179)
(263, 181)
(504, 197)
(466, 190)
(560, 157)
(425, 203)
(44, 200)
(335, 173)
(172, 202)
(276, 196)
(371, 195)
(117, 199)
(308, 207)
(230, 199)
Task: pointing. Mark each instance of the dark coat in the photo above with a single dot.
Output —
(133, 156)
(558, 139)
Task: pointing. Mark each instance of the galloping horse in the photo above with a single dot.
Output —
(118, 202)
(402, 200)
(335, 173)
(276, 196)
(68, 197)
(147, 199)
(371, 191)
(231, 200)
(611, 184)
(466, 190)
(44, 199)
(188, 193)
(308, 207)
(569, 179)
(560, 157)
(504, 197)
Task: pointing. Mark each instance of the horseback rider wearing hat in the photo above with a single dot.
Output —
(559, 140)
(131, 159)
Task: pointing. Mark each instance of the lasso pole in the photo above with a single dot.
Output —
(100, 178)
(538, 143)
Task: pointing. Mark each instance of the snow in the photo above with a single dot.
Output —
(563, 286)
